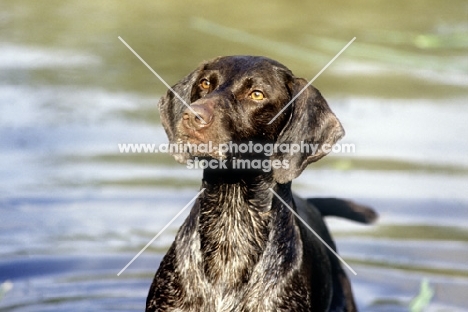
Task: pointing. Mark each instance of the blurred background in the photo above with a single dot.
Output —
(74, 211)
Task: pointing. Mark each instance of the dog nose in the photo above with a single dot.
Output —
(198, 116)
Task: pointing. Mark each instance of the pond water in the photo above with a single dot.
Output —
(74, 211)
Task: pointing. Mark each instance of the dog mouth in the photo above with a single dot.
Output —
(215, 142)
(200, 147)
(201, 142)
(192, 136)
(190, 147)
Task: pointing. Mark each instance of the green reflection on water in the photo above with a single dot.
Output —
(413, 232)
(173, 37)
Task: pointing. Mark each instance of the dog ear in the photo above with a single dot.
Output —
(312, 123)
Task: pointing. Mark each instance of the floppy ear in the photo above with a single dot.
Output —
(171, 108)
(311, 122)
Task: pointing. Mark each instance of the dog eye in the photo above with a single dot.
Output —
(205, 84)
(257, 95)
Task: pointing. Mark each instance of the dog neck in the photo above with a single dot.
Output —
(239, 217)
(250, 190)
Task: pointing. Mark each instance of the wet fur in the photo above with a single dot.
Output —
(241, 249)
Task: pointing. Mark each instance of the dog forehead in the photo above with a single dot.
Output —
(239, 68)
(243, 64)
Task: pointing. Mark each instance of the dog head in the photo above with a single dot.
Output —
(250, 100)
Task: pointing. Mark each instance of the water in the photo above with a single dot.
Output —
(74, 211)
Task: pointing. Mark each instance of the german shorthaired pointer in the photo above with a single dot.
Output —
(242, 248)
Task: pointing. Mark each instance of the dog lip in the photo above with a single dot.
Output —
(190, 134)
(212, 149)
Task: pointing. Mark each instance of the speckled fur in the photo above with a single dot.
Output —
(241, 249)
(230, 255)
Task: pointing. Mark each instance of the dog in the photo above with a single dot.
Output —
(242, 247)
